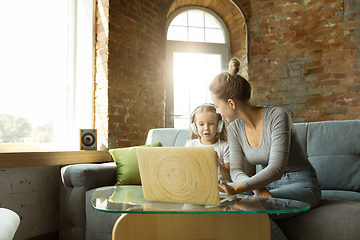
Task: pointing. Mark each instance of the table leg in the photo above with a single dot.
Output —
(192, 226)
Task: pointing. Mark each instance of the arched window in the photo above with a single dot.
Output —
(195, 26)
(197, 50)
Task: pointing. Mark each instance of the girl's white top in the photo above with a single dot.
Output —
(221, 147)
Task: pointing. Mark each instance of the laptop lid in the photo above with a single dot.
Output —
(179, 174)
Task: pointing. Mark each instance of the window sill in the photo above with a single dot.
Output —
(35, 159)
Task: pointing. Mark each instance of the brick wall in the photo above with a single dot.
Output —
(302, 55)
(130, 87)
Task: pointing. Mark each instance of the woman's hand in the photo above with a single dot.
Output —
(263, 192)
(228, 189)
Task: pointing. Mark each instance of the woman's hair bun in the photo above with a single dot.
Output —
(234, 66)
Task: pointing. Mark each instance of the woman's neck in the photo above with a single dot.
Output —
(251, 115)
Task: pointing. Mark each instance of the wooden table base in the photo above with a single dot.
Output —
(192, 227)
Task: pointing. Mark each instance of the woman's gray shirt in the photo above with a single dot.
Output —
(279, 151)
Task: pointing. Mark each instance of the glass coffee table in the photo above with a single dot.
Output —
(237, 217)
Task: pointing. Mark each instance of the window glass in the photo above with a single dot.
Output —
(196, 34)
(181, 84)
(197, 26)
(193, 73)
(37, 74)
(33, 71)
(177, 33)
(210, 22)
(213, 67)
(214, 36)
(196, 18)
(180, 63)
(196, 52)
(180, 20)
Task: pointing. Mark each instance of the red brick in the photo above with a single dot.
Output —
(337, 68)
(313, 71)
(339, 75)
(289, 34)
(355, 110)
(336, 54)
(290, 8)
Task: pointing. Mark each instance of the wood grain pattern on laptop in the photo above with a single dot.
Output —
(179, 174)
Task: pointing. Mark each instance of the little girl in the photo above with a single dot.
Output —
(207, 130)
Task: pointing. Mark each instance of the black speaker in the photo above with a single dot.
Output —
(87, 139)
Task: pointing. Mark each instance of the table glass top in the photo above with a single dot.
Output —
(130, 199)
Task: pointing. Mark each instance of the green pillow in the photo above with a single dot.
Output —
(127, 165)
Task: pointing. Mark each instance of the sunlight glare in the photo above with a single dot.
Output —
(214, 36)
(196, 18)
(180, 20)
(192, 75)
(33, 73)
(210, 22)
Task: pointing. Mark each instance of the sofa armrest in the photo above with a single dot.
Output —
(77, 179)
(89, 176)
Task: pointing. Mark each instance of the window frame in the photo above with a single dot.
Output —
(212, 13)
(195, 47)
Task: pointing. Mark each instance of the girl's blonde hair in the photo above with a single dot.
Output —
(231, 85)
(207, 107)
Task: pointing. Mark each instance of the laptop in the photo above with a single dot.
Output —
(179, 174)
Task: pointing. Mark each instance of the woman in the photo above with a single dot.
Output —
(266, 136)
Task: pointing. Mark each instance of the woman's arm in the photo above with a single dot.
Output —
(237, 166)
(237, 157)
(277, 147)
(277, 136)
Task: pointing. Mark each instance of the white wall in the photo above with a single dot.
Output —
(33, 193)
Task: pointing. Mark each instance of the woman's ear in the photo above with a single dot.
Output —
(232, 103)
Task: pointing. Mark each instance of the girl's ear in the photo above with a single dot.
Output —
(232, 103)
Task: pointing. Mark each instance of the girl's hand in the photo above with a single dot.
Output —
(228, 189)
(217, 159)
(222, 170)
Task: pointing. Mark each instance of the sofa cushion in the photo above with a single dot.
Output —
(333, 138)
(340, 195)
(331, 219)
(168, 137)
(333, 149)
(301, 129)
(127, 165)
(337, 172)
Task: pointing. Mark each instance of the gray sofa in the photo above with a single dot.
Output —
(333, 147)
